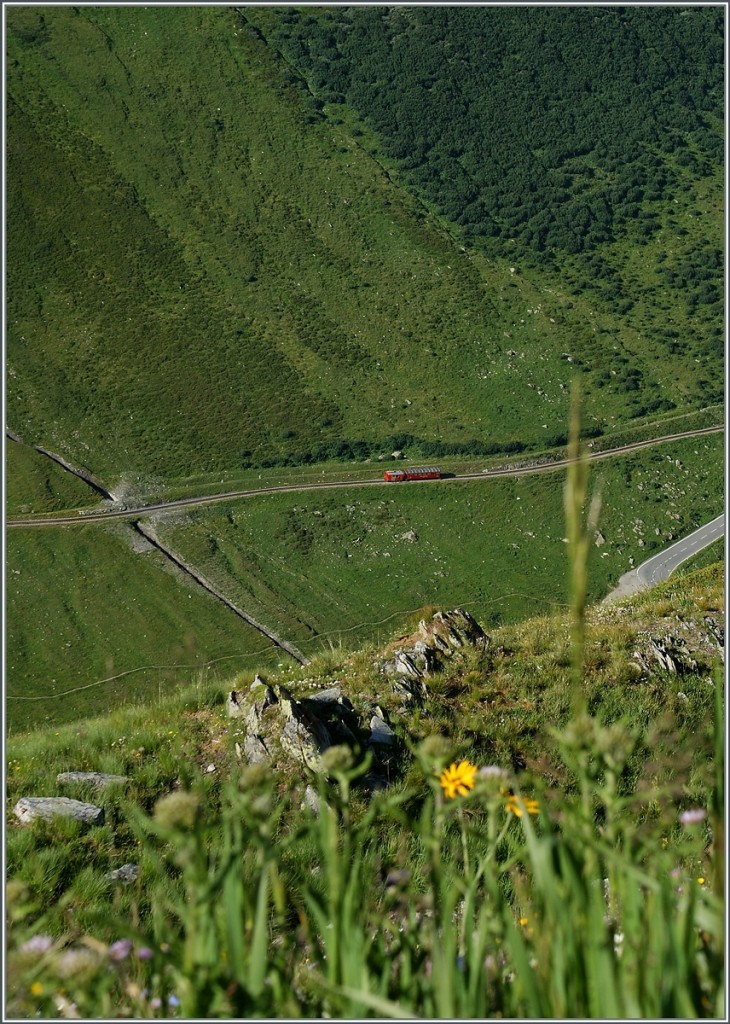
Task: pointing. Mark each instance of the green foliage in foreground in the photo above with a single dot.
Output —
(606, 903)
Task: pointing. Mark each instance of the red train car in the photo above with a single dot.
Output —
(419, 473)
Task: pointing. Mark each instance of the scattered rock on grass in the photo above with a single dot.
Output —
(126, 874)
(31, 808)
(99, 780)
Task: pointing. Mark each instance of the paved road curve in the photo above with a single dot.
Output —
(659, 567)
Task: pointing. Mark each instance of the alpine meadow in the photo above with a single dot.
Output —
(357, 358)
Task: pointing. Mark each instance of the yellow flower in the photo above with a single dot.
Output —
(36, 988)
(458, 779)
(523, 921)
(515, 805)
(700, 880)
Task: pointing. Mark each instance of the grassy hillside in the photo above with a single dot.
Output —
(40, 485)
(585, 145)
(336, 568)
(92, 623)
(338, 563)
(204, 272)
(570, 910)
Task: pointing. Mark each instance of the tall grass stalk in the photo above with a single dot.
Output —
(580, 532)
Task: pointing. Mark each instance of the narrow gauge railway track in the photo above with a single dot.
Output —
(81, 519)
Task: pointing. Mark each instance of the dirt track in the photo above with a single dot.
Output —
(80, 519)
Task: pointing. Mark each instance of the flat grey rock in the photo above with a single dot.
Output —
(29, 808)
(96, 779)
(380, 731)
(331, 696)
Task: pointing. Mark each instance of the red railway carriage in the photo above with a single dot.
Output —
(419, 473)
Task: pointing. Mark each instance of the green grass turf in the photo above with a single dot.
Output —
(41, 485)
(82, 606)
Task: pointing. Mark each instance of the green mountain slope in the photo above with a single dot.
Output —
(203, 272)
(40, 485)
(586, 144)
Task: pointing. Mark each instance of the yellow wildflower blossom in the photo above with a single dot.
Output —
(515, 805)
(458, 779)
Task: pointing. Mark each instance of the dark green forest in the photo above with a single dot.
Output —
(568, 137)
(549, 127)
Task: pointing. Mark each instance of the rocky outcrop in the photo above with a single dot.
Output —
(31, 808)
(304, 736)
(279, 728)
(669, 653)
(716, 634)
(436, 641)
(448, 631)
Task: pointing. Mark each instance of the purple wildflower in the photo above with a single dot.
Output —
(145, 953)
(155, 1002)
(120, 949)
(37, 944)
(693, 816)
(172, 1000)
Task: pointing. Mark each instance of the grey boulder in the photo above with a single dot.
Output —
(30, 808)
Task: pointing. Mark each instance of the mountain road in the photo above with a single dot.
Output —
(660, 566)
